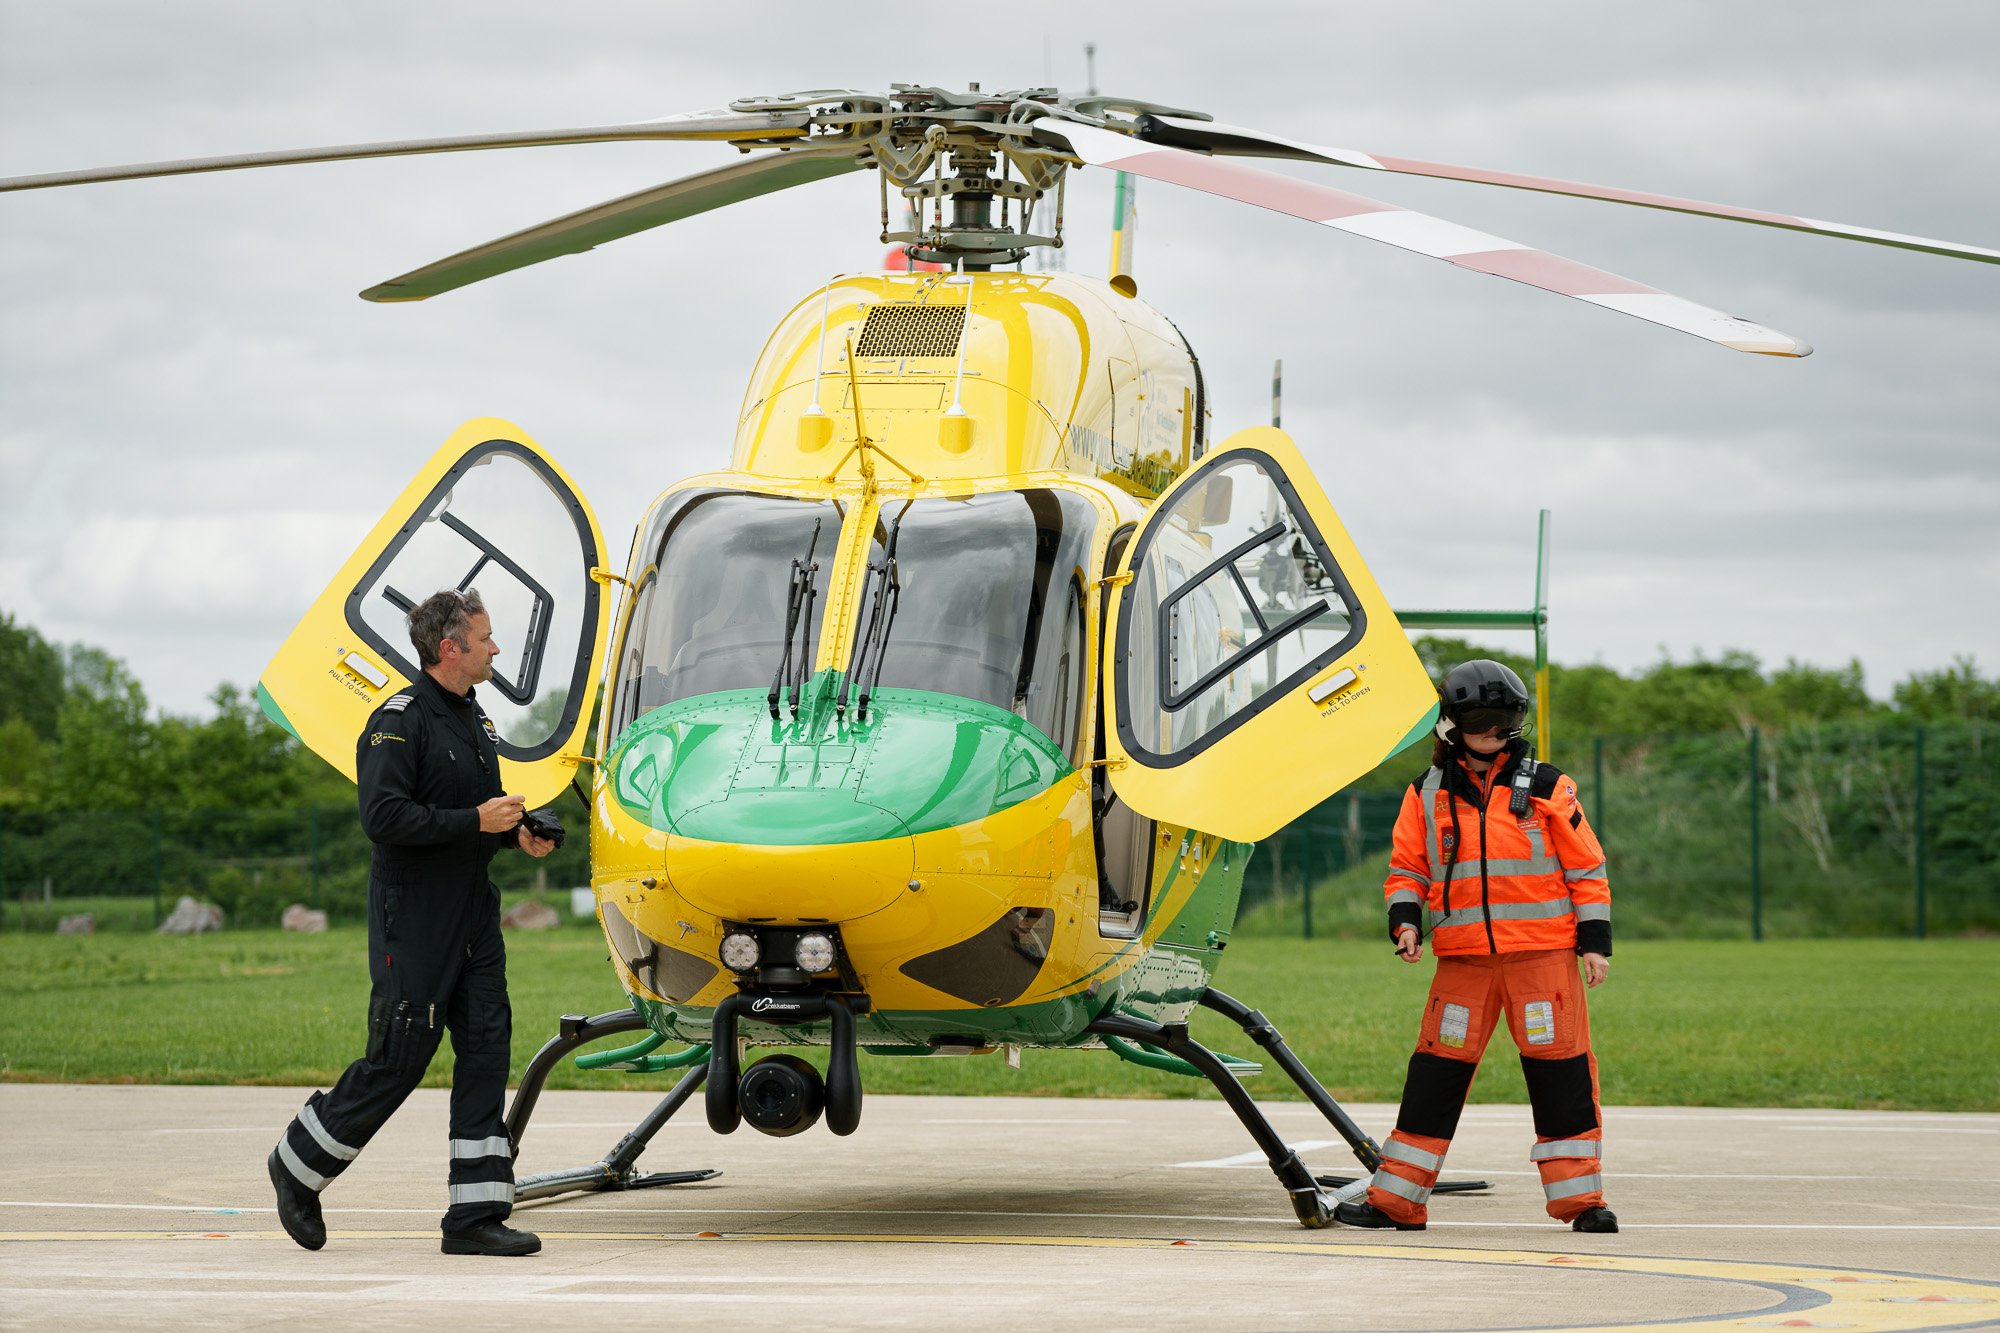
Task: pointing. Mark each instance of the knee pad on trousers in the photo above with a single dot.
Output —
(1433, 1095)
(1560, 1093)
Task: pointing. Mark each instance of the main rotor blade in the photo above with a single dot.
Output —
(765, 173)
(1408, 230)
(726, 125)
(1235, 141)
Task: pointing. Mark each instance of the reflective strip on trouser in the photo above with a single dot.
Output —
(465, 1150)
(490, 1191)
(1412, 1154)
(1569, 1189)
(1543, 1152)
(1401, 1186)
(311, 1152)
(309, 1118)
(302, 1173)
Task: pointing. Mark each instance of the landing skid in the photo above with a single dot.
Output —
(1313, 1197)
(616, 1169)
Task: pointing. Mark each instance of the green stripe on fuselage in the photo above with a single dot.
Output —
(718, 767)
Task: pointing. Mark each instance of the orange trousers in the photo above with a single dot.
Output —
(1541, 995)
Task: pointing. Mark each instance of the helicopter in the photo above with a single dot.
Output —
(943, 719)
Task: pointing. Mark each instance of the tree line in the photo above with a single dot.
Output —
(77, 732)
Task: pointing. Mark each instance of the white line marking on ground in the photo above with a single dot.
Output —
(1257, 1158)
(1090, 1121)
(1892, 1129)
(220, 1129)
(1272, 1220)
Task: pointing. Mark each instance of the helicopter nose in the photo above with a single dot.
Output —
(816, 816)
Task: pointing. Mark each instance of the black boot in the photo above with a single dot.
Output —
(1594, 1219)
(491, 1238)
(1361, 1213)
(298, 1207)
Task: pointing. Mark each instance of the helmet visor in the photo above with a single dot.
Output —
(1480, 721)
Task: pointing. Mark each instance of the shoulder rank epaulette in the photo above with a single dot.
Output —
(398, 703)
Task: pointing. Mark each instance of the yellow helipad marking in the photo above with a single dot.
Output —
(1862, 1299)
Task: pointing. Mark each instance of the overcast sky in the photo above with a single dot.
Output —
(199, 419)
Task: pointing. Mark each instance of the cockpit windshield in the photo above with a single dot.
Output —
(989, 601)
(710, 602)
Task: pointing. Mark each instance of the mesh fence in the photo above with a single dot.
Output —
(1826, 831)
(1806, 832)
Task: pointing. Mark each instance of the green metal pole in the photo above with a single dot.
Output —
(1923, 840)
(313, 854)
(1597, 783)
(1756, 841)
(156, 870)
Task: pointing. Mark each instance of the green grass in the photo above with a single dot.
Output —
(1890, 1024)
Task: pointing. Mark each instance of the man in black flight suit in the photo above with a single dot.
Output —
(429, 774)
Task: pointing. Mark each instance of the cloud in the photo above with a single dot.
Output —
(198, 419)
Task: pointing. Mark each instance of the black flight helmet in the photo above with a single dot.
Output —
(1480, 695)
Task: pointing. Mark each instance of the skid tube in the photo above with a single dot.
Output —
(1366, 1151)
(616, 1169)
(1313, 1205)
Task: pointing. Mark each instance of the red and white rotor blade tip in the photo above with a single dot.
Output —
(1425, 235)
(1206, 136)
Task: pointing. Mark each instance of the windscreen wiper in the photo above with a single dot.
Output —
(799, 601)
(885, 592)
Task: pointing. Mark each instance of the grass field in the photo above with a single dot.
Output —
(1889, 1024)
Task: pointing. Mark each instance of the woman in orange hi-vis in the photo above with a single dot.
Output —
(1492, 854)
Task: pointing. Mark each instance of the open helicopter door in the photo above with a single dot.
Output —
(489, 511)
(1253, 665)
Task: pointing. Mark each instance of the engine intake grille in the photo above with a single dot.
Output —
(911, 330)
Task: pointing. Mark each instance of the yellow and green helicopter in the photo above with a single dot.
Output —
(945, 717)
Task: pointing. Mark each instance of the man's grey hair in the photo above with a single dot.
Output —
(443, 615)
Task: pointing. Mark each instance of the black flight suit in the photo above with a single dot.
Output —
(425, 761)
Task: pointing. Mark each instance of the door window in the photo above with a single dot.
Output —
(502, 522)
(1234, 601)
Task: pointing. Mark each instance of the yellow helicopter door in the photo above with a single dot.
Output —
(1253, 666)
(490, 511)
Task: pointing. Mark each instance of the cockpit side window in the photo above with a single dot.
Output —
(989, 601)
(709, 613)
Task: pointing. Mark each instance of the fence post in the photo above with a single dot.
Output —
(1756, 841)
(1597, 785)
(1922, 839)
(157, 870)
(312, 824)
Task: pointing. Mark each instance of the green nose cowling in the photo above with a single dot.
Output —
(719, 768)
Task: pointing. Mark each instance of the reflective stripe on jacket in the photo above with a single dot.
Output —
(1480, 880)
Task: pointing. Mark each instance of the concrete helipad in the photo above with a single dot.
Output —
(127, 1205)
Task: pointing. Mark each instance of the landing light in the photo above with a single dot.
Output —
(740, 951)
(815, 952)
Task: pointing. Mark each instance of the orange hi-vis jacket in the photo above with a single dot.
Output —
(1479, 879)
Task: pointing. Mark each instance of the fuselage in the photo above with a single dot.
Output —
(854, 685)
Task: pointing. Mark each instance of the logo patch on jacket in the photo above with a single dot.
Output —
(491, 734)
(381, 736)
(1450, 841)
